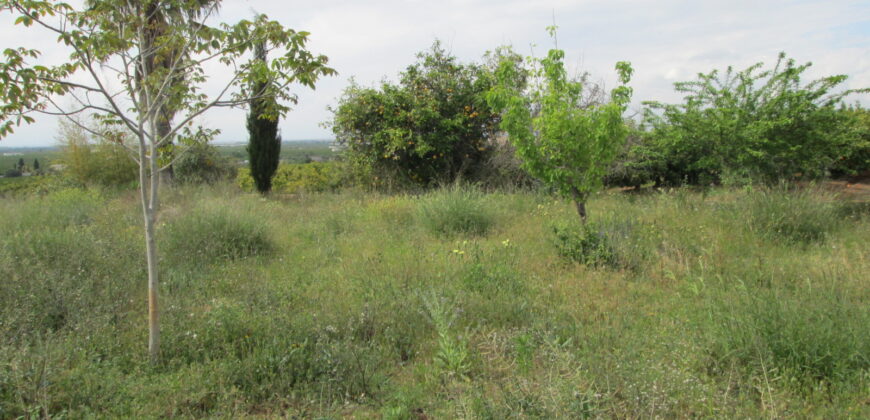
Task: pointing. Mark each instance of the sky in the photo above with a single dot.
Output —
(665, 40)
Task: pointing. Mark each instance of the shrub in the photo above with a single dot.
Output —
(12, 173)
(201, 163)
(296, 178)
(752, 126)
(856, 158)
(584, 243)
(209, 234)
(794, 215)
(456, 210)
(104, 163)
(433, 126)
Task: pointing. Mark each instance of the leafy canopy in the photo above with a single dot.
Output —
(109, 43)
(433, 125)
(561, 138)
(752, 125)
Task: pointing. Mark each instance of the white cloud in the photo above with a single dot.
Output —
(666, 41)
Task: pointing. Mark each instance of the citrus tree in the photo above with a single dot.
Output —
(562, 138)
(432, 126)
(126, 72)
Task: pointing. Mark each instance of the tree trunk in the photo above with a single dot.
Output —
(151, 246)
(149, 181)
(581, 210)
(580, 203)
(164, 126)
(153, 309)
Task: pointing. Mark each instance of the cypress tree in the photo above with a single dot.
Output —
(35, 164)
(264, 143)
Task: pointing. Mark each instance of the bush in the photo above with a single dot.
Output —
(201, 164)
(456, 210)
(432, 127)
(586, 244)
(502, 170)
(750, 126)
(794, 215)
(296, 178)
(12, 173)
(857, 158)
(103, 163)
(210, 234)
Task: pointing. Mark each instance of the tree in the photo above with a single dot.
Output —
(562, 138)
(112, 46)
(97, 161)
(264, 143)
(36, 165)
(754, 125)
(202, 163)
(160, 16)
(433, 126)
(21, 164)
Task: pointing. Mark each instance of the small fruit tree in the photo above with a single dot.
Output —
(112, 73)
(562, 139)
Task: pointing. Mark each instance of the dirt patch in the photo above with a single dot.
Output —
(855, 187)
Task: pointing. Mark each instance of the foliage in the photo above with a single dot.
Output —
(753, 125)
(104, 163)
(584, 243)
(201, 163)
(503, 170)
(456, 210)
(433, 126)
(158, 67)
(856, 160)
(452, 357)
(264, 142)
(566, 143)
(297, 178)
(12, 173)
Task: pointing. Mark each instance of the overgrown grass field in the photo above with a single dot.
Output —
(451, 304)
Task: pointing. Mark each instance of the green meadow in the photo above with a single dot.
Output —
(457, 303)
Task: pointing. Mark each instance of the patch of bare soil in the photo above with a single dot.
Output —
(855, 187)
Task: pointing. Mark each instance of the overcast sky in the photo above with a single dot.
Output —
(665, 40)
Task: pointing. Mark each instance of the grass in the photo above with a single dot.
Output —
(364, 305)
(456, 210)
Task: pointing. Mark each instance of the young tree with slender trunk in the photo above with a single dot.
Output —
(264, 143)
(112, 47)
(561, 138)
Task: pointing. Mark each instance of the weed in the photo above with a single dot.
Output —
(457, 210)
(451, 357)
(584, 243)
(213, 233)
(793, 215)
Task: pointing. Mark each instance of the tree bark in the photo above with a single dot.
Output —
(148, 201)
(581, 210)
(164, 127)
(580, 203)
(153, 309)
